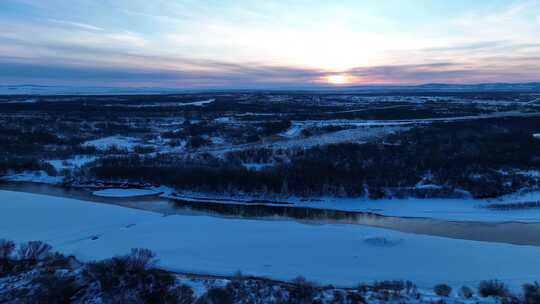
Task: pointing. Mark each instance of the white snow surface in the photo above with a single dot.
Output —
(536, 135)
(339, 254)
(76, 162)
(21, 101)
(114, 192)
(107, 142)
(34, 176)
(198, 103)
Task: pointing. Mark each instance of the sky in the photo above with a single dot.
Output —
(267, 44)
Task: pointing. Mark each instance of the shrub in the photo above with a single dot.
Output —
(395, 286)
(6, 249)
(128, 278)
(182, 294)
(49, 169)
(442, 290)
(306, 133)
(492, 288)
(303, 291)
(144, 149)
(57, 260)
(53, 288)
(355, 298)
(34, 250)
(197, 142)
(215, 296)
(141, 258)
(465, 292)
(531, 293)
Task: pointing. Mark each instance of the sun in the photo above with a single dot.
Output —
(337, 79)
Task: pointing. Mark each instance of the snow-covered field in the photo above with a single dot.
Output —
(291, 140)
(112, 141)
(75, 162)
(339, 254)
(165, 104)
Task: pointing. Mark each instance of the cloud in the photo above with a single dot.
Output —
(189, 42)
(230, 75)
(512, 22)
(128, 37)
(79, 25)
(482, 45)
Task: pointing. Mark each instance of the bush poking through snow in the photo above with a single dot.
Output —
(492, 288)
(6, 249)
(302, 292)
(442, 290)
(141, 258)
(183, 294)
(531, 293)
(465, 292)
(216, 296)
(130, 279)
(395, 286)
(34, 250)
(53, 288)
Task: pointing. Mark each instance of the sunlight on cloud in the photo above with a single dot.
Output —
(128, 38)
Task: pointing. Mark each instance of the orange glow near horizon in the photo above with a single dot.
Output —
(338, 79)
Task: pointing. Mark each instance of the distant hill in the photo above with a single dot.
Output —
(29, 89)
(443, 87)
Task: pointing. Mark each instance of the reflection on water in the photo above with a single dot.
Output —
(508, 232)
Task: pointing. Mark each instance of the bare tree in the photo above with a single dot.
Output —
(34, 250)
(6, 249)
(142, 258)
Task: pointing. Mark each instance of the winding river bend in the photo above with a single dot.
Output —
(516, 233)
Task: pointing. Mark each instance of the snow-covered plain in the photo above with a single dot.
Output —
(338, 254)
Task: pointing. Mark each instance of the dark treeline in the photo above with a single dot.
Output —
(478, 157)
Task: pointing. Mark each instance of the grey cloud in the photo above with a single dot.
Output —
(85, 66)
